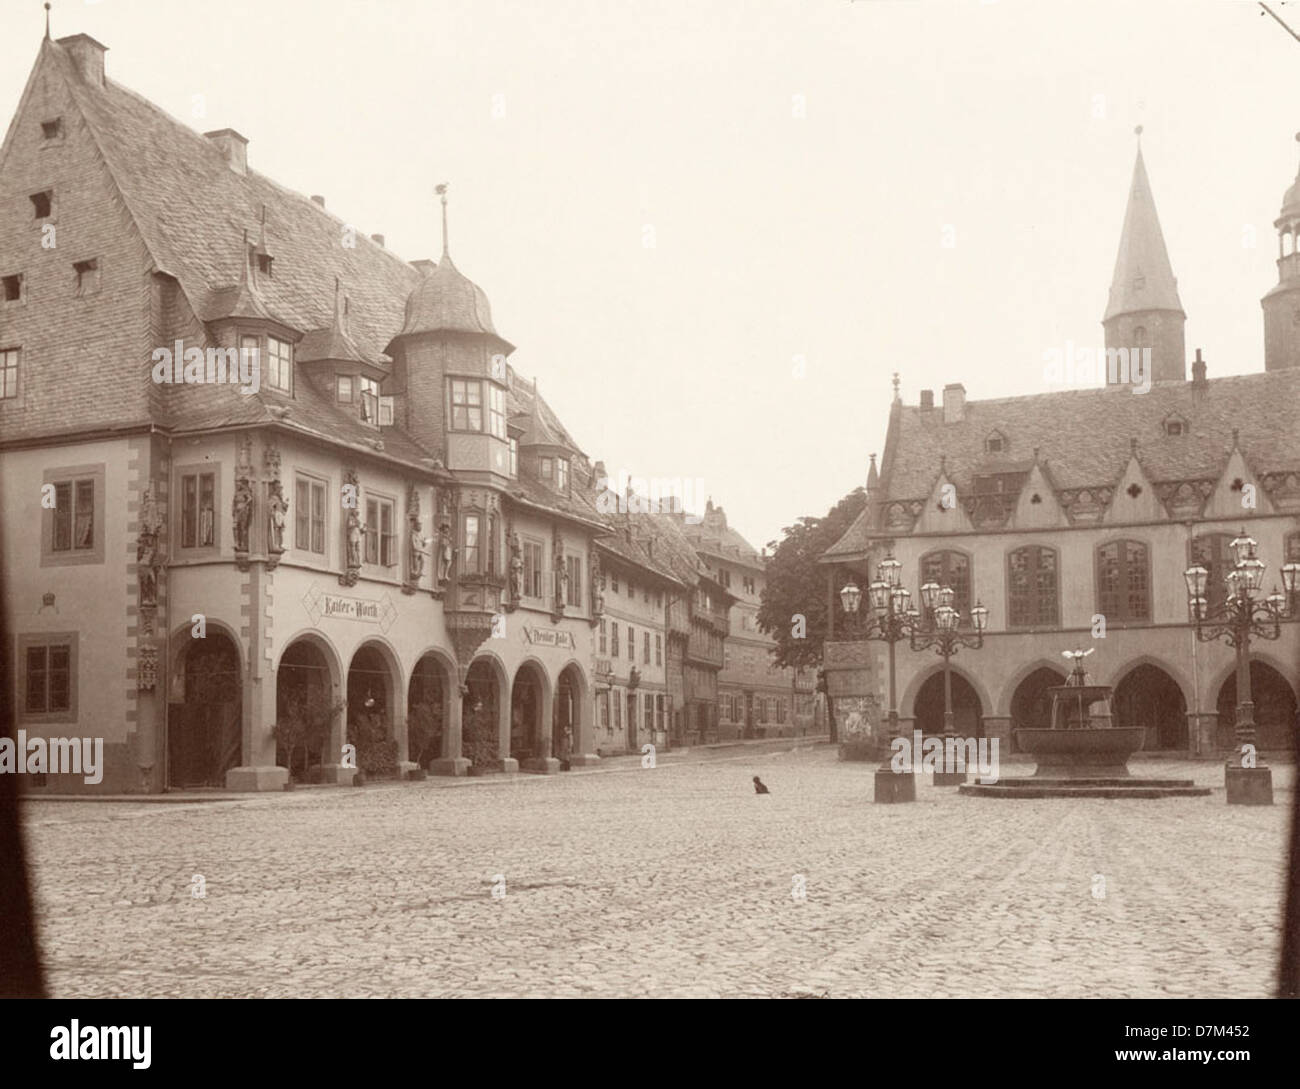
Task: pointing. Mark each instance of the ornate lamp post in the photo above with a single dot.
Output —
(940, 632)
(891, 620)
(1242, 614)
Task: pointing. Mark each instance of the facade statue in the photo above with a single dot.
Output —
(445, 553)
(242, 511)
(516, 568)
(419, 546)
(277, 508)
(356, 537)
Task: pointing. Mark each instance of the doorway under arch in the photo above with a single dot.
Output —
(1275, 709)
(1148, 696)
(967, 712)
(204, 730)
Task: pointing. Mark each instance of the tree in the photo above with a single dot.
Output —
(796, 586)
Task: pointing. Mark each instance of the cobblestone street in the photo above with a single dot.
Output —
(672, 881)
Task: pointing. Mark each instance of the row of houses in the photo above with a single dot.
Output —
(276, 500)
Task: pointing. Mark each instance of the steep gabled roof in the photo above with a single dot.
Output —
(1144, 278)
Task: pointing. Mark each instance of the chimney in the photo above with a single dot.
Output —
(316, 198)
(377, 239)
(954, 402)
(424, 265)
(88, 55)
(1198, 371)
(233, 146)
(927, 398)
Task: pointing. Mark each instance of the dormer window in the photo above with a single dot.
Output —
(264, 261)
(369, 400)
(279, 361)
(562, 474)
(1175, 425)
(343, 389)
(996, 443)
(11, 287)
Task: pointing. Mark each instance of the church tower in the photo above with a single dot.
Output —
(1282, 304)
(1143, 310)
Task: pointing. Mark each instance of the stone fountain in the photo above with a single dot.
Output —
(1082, 753)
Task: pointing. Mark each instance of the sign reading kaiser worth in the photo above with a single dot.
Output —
(350, 608)
(549, 637)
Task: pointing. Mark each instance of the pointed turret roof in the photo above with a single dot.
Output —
(1144, 278)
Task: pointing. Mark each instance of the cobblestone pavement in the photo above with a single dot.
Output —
(672, 881)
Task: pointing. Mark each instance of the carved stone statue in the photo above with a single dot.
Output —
(516, 568)
(356, 536)
(445, 553)
(561, 577)
(277, 506)
(597, 594)
(146, 553)
(242, 511)
(419, 546)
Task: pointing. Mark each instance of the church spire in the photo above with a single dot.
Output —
(1144, 311)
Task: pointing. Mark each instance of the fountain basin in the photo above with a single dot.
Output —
(1096, 752)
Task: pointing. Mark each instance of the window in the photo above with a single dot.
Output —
(780, 711)
(659, 650)
(1211, 552)
(379, 532)
(604, 638)
(264, 262)
(471, 553)
(386, 412)
(11, 287)
(491, 544)
(514, 457)
(663, 715)
(8, 373)
(309, 524)
(42, 204)
(645, 652)
(198, 510)
(613, 646)
(949, 568)
(603, 699)
(726, 707)
(631, 590)
(69, 530)
(368, 391)
(546, 469)
(52, 130)
(497, 411)
(631, 643)
(995, 443)
(1291, 554)
(48, 664)
(343, 388)
(466, 405)
(574, 565)
(1031, 588)
(648, 714)
(279, 357)
(749, 584)
(87, 273)
(724, 577)
(1124, 581)
(250, 352)
(533, 570)
(1173, 427)
(645, 596)
(562, 474)
(613, 582)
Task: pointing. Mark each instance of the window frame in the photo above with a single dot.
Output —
(6, 367)
(22, 644)
(197, 470)
(306, 512)
(496, 411)
(383, 543)
(279, 361)
(534, 572)
(72, 557)
(1032, 598)
(469, 406)
(1124, 592)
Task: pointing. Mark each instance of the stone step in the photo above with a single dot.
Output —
(1130, 789)
(1100, 781)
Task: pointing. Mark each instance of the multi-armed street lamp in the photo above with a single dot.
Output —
(940, 632)
(1243, 613)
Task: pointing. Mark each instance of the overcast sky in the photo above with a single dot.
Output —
(795, 166)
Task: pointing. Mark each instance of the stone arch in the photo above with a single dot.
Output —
(1176, 674)
(1229, 673)
(1148, 696)
(180, 639)
(486, 697)
(531, 711)
(301, 693)
(907, 703)
(1275, 703)
(376, 698)
(205, 737)
(430, 688)
(1008, 693)
(573, 713)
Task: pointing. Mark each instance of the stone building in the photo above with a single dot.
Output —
(258, 471)
(1072, 515)
(754, 696)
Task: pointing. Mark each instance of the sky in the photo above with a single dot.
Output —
(715, 229)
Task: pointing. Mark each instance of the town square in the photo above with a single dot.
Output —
(783, 499)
